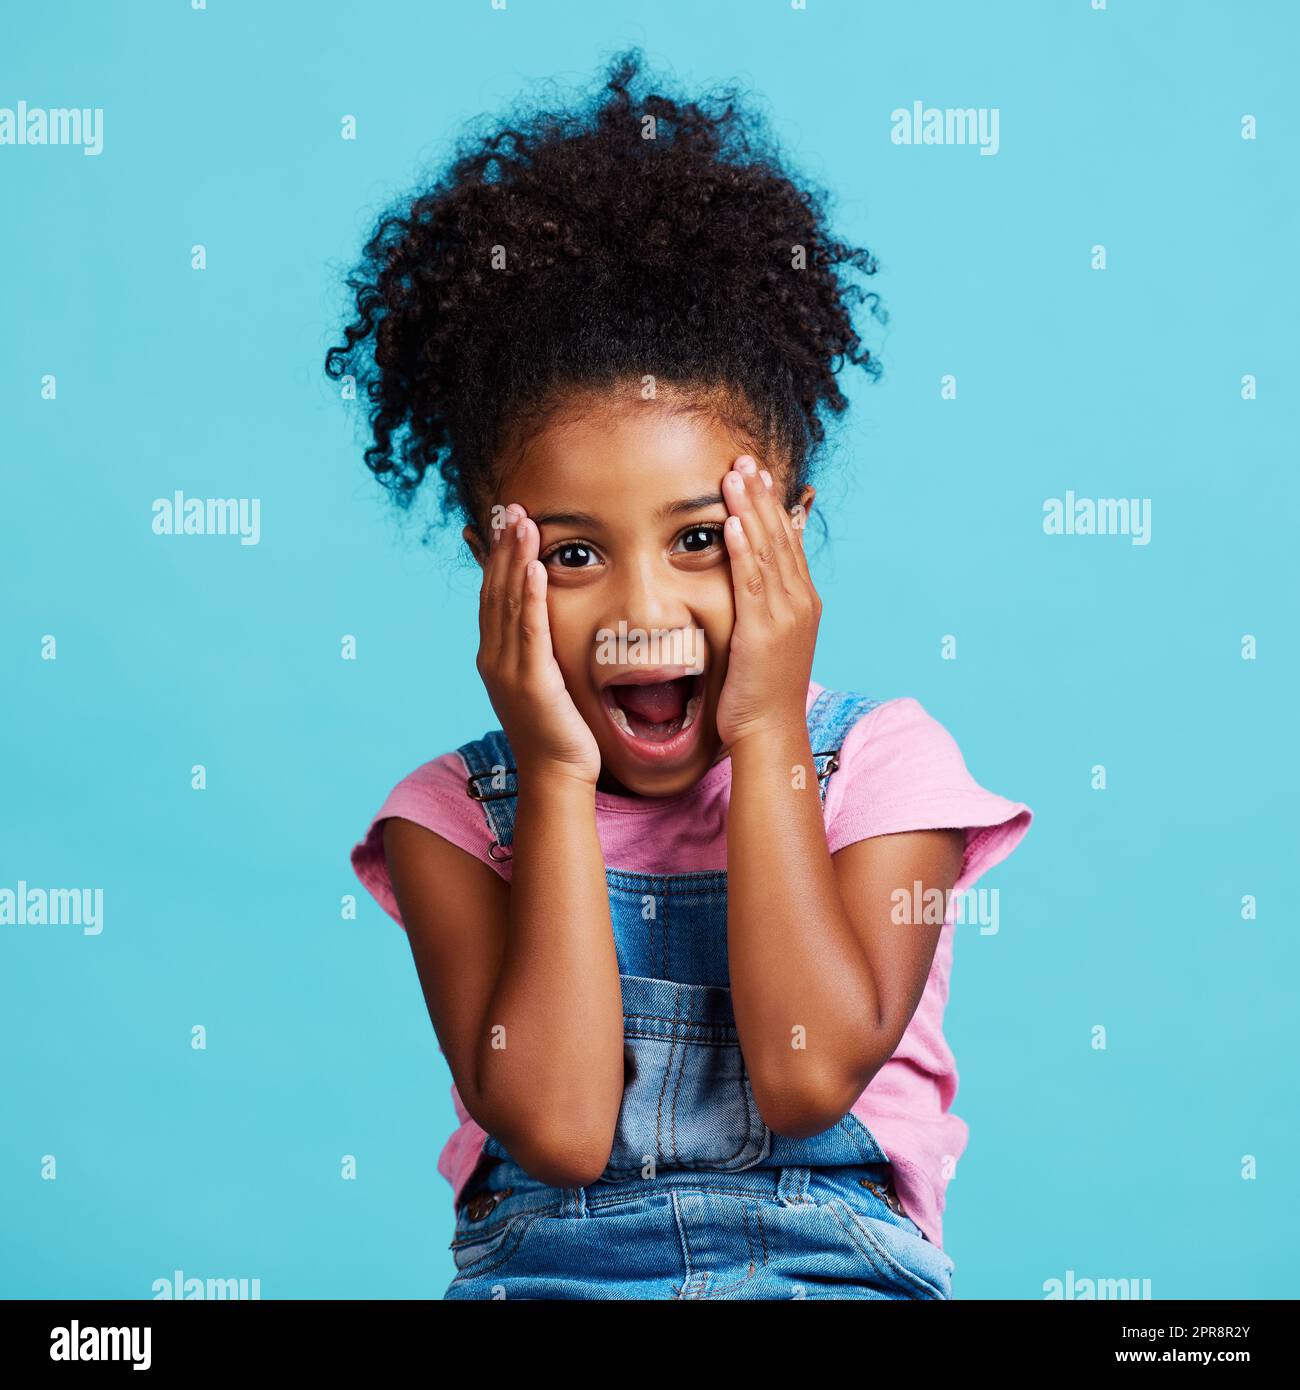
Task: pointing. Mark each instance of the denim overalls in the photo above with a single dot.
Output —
(699, 1199)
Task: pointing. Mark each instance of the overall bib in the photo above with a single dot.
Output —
(699, 1199)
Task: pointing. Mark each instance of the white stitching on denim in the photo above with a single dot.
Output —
(874, 1251)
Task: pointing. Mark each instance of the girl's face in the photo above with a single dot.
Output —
(628, 502)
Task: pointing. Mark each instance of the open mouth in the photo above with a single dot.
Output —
(656, 714)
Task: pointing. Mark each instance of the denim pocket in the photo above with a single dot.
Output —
(476, 1252)
(687, 1099)
(889, 1247)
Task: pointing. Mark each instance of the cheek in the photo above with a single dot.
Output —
(718, 624)
(571, 639)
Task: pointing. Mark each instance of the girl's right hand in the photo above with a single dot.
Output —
(517, 663)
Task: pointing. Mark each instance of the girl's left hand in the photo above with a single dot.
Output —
(777, 611)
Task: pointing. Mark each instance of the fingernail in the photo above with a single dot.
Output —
(521, 530)
(746, 464)
(766, 477)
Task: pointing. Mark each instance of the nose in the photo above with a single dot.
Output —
(649, 594)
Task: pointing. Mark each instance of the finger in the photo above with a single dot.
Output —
(763, 527)
(741, 498)
(521, 541)
(778, 530)
(807, 590)
(797, 519)
(489, 594)
(746, 578)
(535, 649)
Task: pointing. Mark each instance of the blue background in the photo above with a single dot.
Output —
(223, 908)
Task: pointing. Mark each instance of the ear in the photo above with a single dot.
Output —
(805, 500)
(471, 538)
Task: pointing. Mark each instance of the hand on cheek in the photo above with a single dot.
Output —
(517, 661)
(777, 610)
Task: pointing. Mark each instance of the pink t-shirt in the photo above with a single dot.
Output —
(899, 770)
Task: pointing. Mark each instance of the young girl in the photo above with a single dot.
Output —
(665, 917)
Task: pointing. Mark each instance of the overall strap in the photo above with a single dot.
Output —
(833, 714)
(490, 779)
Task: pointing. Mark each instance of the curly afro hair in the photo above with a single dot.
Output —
(566, 252)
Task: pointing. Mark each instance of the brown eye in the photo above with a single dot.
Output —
(572, 555)
(699, 540)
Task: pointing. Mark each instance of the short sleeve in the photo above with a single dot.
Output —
(899, 770)
(433, 796)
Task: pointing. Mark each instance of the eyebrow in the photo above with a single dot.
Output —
(684, 504)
